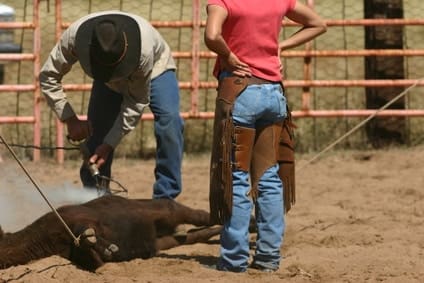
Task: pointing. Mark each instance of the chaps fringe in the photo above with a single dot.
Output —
(221, 181)
(286, 161)
(227, 177)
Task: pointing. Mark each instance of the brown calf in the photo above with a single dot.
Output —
(111, 229)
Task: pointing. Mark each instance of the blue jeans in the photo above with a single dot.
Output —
(104, 107)
(257, 106)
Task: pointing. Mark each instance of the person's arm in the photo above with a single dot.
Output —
(135, 95)
(312, 24)
(213, 31)
(57, 65)
(216, 43)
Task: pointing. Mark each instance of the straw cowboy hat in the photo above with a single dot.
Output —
(108, 46)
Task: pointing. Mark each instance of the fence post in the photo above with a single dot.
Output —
(194, 109)
(37, 98)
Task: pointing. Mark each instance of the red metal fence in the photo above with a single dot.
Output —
(196, 55)
(34, 87)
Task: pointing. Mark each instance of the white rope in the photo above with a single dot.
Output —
(330, 146)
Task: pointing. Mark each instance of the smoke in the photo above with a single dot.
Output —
(21, 203)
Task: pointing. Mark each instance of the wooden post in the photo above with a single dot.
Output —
(383, 131)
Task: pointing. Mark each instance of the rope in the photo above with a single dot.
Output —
(121, 189)
(40, 147)
(76, 240)
(403, 93)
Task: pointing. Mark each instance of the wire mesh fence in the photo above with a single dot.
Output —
(312, 133)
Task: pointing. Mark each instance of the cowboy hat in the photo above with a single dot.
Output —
(108, 46)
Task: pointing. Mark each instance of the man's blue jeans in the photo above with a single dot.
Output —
(103, 108)
(257, 106)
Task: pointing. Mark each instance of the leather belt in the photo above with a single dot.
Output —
(258, 81)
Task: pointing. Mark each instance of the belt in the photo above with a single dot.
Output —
(258, 81)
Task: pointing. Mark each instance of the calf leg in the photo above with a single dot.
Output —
(93, 251)
(194, 216)
(104, 249)
(201, 235)
(182, 214)
(196, 235)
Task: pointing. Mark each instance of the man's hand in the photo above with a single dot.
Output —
(77, 129)
(101, 154)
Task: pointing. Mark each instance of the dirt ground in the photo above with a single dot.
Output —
(359, 217)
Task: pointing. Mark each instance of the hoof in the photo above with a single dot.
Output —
(180, 233)
(89, 236)
(108, 252)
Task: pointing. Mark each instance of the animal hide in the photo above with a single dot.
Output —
(111, 229)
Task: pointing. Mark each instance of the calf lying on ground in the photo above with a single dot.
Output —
(111, 229)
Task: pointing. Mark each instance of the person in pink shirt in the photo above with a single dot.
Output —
(245, 36)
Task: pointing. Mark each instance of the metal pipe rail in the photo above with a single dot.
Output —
(34, 87)
(195, 54)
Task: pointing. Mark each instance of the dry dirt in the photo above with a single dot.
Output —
(359, 217)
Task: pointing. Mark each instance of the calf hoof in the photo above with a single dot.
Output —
(180, 233)
(89, 237)
(109, 251)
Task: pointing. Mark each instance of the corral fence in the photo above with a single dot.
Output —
(327, 81)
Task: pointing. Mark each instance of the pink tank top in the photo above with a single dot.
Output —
(252, 30)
